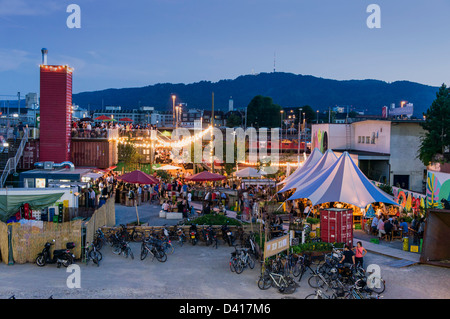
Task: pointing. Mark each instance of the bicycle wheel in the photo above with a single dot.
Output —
(251, 262)
(116, 249)
(232, 265)
(264, 282)
(138, 236)
(168, 248)
(291, 285)
(378, 285)
(95, 256)
(129, 253)
(144, 252)
(313, 296)
(160, 256)
(238, 266)
(316, 282)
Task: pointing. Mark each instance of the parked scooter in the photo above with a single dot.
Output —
(193, 234)
(60, 256)
(227, 235)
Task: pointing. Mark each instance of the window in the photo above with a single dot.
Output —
(367, 139)
(362, 139)
(359, 139)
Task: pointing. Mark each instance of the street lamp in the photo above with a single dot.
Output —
(281, 124)
(173, 110)
(317, 116)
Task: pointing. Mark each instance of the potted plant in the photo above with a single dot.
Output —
(314, 222)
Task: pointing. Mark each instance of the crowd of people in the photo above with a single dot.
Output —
(383, 226)
(93, 129)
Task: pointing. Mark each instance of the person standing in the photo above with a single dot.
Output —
(374, 225)
(360, 252)
(348, 257)
(380, 228)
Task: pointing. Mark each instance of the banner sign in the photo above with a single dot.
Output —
(276, 246)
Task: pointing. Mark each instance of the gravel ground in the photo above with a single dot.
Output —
(191, 272)
(194, 272)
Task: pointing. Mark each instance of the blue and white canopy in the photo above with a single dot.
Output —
(312, 160)
(327, 159)
(342, 182)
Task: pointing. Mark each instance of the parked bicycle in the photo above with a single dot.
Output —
(153, 246)
(121, 247)
(240, 259)
(91, 253)
(284, 283)
(99, 239)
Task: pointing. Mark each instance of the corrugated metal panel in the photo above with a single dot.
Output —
(100, 154)
(55, 113)
(336, 226)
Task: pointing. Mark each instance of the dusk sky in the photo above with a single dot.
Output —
(143, 42)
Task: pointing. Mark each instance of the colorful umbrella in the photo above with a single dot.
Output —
(102, 118)
(138, 177)
(125, 119)
(205, 176)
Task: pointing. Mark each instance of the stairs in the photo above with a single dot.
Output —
(9, 160)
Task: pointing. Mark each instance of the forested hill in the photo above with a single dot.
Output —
(286, 89)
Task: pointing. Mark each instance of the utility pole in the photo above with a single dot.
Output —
(329, 115)
(18, 103)
(299, 135)
(212, 131)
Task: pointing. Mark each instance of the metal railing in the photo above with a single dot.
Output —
(12, 162)
(95, 133)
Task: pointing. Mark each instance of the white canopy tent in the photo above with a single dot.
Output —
(342, 182)
(249, 172)
(312, 160)
(327, 159)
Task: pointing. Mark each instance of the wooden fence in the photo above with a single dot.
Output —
(3, 242)
(29, 240)
(104, 216)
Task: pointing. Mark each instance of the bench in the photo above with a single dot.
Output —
(173, 215)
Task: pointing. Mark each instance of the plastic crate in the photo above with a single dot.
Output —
(414, 248)
(375, 240)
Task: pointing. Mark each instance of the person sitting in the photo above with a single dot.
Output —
(388, 228)
(165, 206)
(404, 226)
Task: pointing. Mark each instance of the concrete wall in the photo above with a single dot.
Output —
(336, 134)
(379, 133)
(405, 143)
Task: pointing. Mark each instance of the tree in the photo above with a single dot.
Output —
(436, 140)
(128, 154)
(262, 112)
(234, 120)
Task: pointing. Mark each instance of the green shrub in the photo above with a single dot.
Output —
(312, 221)
(320, 246)
(214, 219)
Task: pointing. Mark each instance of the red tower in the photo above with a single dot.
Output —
(55, 112)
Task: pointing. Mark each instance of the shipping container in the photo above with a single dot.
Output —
(55, 113)
(336, 225)
(94, 153)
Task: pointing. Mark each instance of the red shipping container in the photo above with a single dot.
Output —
(336, 225)
(55, 113)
